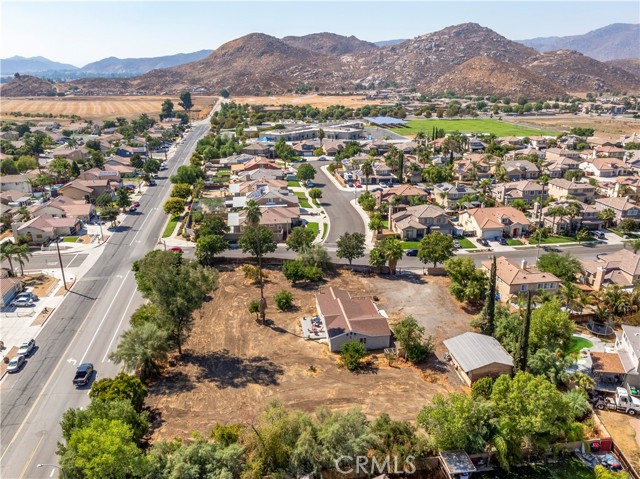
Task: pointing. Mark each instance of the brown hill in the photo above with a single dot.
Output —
(27, 85)
(632, 65)
(330, 43)
(424, 59)
(487, 76)
(575, 72)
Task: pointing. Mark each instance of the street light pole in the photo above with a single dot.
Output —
(539, 222)
(100, 224)
(64, 281)
(64, 476)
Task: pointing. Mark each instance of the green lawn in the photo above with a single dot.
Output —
(558, 239)
(572, 469)
(576, 344)
(293, 183)
(223, 173)
(622, 235)
(410, 244)
(499, 128)
(171, 226)
(512, 242)
(316, 202)
(304, 202)
(466, 244)
(315, 227)
(70, 239)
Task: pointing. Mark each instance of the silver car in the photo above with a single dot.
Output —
(27, 347)
(22, 303)
(15, 364)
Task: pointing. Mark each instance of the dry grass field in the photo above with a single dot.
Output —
(96, 107)
(313, 100)
(606, 127)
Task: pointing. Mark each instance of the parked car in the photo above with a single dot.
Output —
(130, 187)
(177, 249)
(136, 204)
(132, 209)
(309, 184)
(27, 347)
(152, 183)
(383, 185)
(16, 364)
(28, 295)
(322, 158)
(610, 462)
(412, 252)
(83, 374)
(599, 234)
(503, 241)
(483, 242)
(22, 303)
(457, 244)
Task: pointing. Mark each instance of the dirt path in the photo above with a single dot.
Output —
(625, 431)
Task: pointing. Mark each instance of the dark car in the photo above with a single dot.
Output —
(412, 252)
(83, 374)
(483, 242)
(133, 208)
(503, 241)
(152, 183)
(610, 462)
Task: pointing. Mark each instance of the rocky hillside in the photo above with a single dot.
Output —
(27, 85)
(575, 72)
(259, 63)
(487, 76)
(632, 65)
(613, 42)
(330, 43)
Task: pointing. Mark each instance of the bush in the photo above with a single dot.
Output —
(296, 271)
(352, 352)
(254, 307)
(284, 300)
(482, 388)
(123, 386)
(410, 336)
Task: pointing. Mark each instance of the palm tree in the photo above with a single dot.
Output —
(569, 294)
(607, 216)
(554, 212)
(8, 251)
(253, 215)
(22, 255)
(142, 348)
(367, 170)
(616, 301)
(393, 253)
(573, 210)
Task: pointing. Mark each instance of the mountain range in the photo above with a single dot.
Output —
(18, 64)
(613, 42)
(465, 59)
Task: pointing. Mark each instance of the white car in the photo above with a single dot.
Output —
(22, 303)
(27, 347)
(15, 364)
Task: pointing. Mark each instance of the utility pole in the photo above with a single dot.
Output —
(64, 281)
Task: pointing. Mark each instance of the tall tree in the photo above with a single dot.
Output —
(141, 348)
(523, 343)
(489, 310)
(436, 248)
(351, 246)
(185, 101)
(166, 109)
(367, 170)
(22, 255)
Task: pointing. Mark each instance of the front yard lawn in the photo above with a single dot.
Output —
(171, 226)
(512, 242)
(410, 244)
(70, 239)
(622, 235)
(304, 202)
(293, 183)
(558, 239)
(223, 173)
(466, 244)
(313, 226)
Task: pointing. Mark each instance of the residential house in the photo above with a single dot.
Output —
(9, 287)
(513, 279)
(562, 190)
(70, 154)
(588, 218)
(621, 267)
(414, 222)
(42, 229)
(83, 189)
(606, 167)
(17, 183)
(98, 174)
(493, 223)
(553, 153)
(260, 174)
(62, 207)
(477, 356)
(628, 348)
(406, 194)
(526, 190)
(623, 207)
(333, 147)
(517, 170)
(279, 219)
(262, 149)
(14, 198)
(472, 167)
(346, 318)
(447, 195)
(538, 142)
(511, 141)
(557, 167)
(475, 145)
(610, 151)
(305, 147)
(128, 151)
(628, 186)
(523, 153)
(254, 164)
(245, 187)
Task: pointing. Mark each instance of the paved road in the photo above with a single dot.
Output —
(85, 327)
(50, 260)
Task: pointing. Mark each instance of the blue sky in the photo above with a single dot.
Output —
(79, 32)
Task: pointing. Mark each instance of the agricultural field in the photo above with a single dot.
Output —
(605, 126)
(483, 126)
(313, 100)
(96, 107)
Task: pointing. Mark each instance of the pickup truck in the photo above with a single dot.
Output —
(83, 374)
(621, 402)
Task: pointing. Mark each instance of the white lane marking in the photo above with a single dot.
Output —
(72, 260)
(72, 361)
(104, 317)
(33, 453)
(52, 472)
(134, 238)
(124, 315)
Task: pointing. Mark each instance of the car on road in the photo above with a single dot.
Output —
(22, 303)
(412, 252)
(177, 249)
(136, 204)
(383, 185)
(27, 347)
(152, 183)
(322, 158)
(349, 184)
(310, 184)
(28, 295)
(83, 374)
(16, 364)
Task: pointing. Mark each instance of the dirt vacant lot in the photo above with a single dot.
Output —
(97, 107)
(320, 101)
(625, 431)
(234, 366)
(605, 127)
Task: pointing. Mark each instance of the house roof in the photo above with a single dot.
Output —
(607, 363)
(493, 217)
(570, 185)
(608, 163)
(622, 260)
(13, 179)
(513, 274)
(472, 351)
(519, 165)
(7, 284)
(633, 334)
(619, 203)
(344, 314)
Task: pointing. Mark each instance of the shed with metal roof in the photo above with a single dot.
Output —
(477, 356)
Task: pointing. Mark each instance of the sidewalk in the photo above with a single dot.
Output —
(316, 214)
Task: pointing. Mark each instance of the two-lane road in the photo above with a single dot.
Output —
(85, 328)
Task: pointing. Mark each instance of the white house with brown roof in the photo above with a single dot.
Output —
(42, 229)
(414, 222)
(628, 349)
(621, 267)
(514, 279)
(517, 170)
(16, 182)
(346, 318)
(493, 223)
(404, 192)
(623, 207)
(610, 151)
(606, 167)
(525, 190)
(562, 189)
